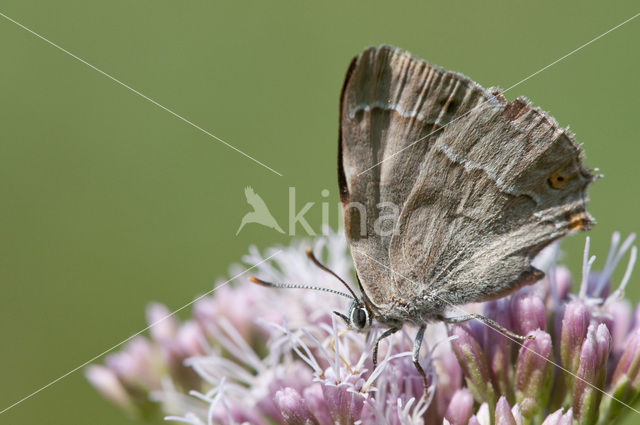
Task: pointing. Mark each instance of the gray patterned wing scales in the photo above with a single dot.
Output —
(389, 101)
(495, 188)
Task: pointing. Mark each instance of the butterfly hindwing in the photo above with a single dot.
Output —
(497, 186)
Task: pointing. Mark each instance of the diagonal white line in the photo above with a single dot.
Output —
(109, 76)
(135, 334)
(274, 171)
(506, 90)
(506, 336)
(573, 51)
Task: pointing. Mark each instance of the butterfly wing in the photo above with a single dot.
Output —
(392, 106)
(495, 188)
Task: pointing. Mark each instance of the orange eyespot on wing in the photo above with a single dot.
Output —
(558, 180)
(578, 222)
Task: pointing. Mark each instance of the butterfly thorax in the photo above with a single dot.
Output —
(417, 311)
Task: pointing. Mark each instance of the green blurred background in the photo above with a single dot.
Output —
(108, 202)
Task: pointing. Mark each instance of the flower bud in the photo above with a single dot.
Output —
(503, 413)
(592, 371)
(625, 381)
(528, 312)
(108, 384)
(162, 325)
(293, 407)
(557, 418)
(482, 416)
(344, 405)
(474, 363)
(574, 328)
(533, 371)
(317, 405)
(529, 407)
(498, 348)
(460, 408)
(139, 365)
(629, 363)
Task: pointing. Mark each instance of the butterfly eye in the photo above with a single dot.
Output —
(558, 180)
(359, 317)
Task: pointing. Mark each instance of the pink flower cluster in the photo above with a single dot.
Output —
(254, 355)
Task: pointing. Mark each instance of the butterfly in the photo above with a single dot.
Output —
(448, 192)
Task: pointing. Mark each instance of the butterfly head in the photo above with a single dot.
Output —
(359, 318)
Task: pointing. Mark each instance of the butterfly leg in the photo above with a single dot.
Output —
(492, 323)
(417, 343)
(382, 336)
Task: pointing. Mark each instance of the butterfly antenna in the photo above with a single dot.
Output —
(288, 286)
(328, 270)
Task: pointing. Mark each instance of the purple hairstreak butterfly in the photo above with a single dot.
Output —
(480, 185)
